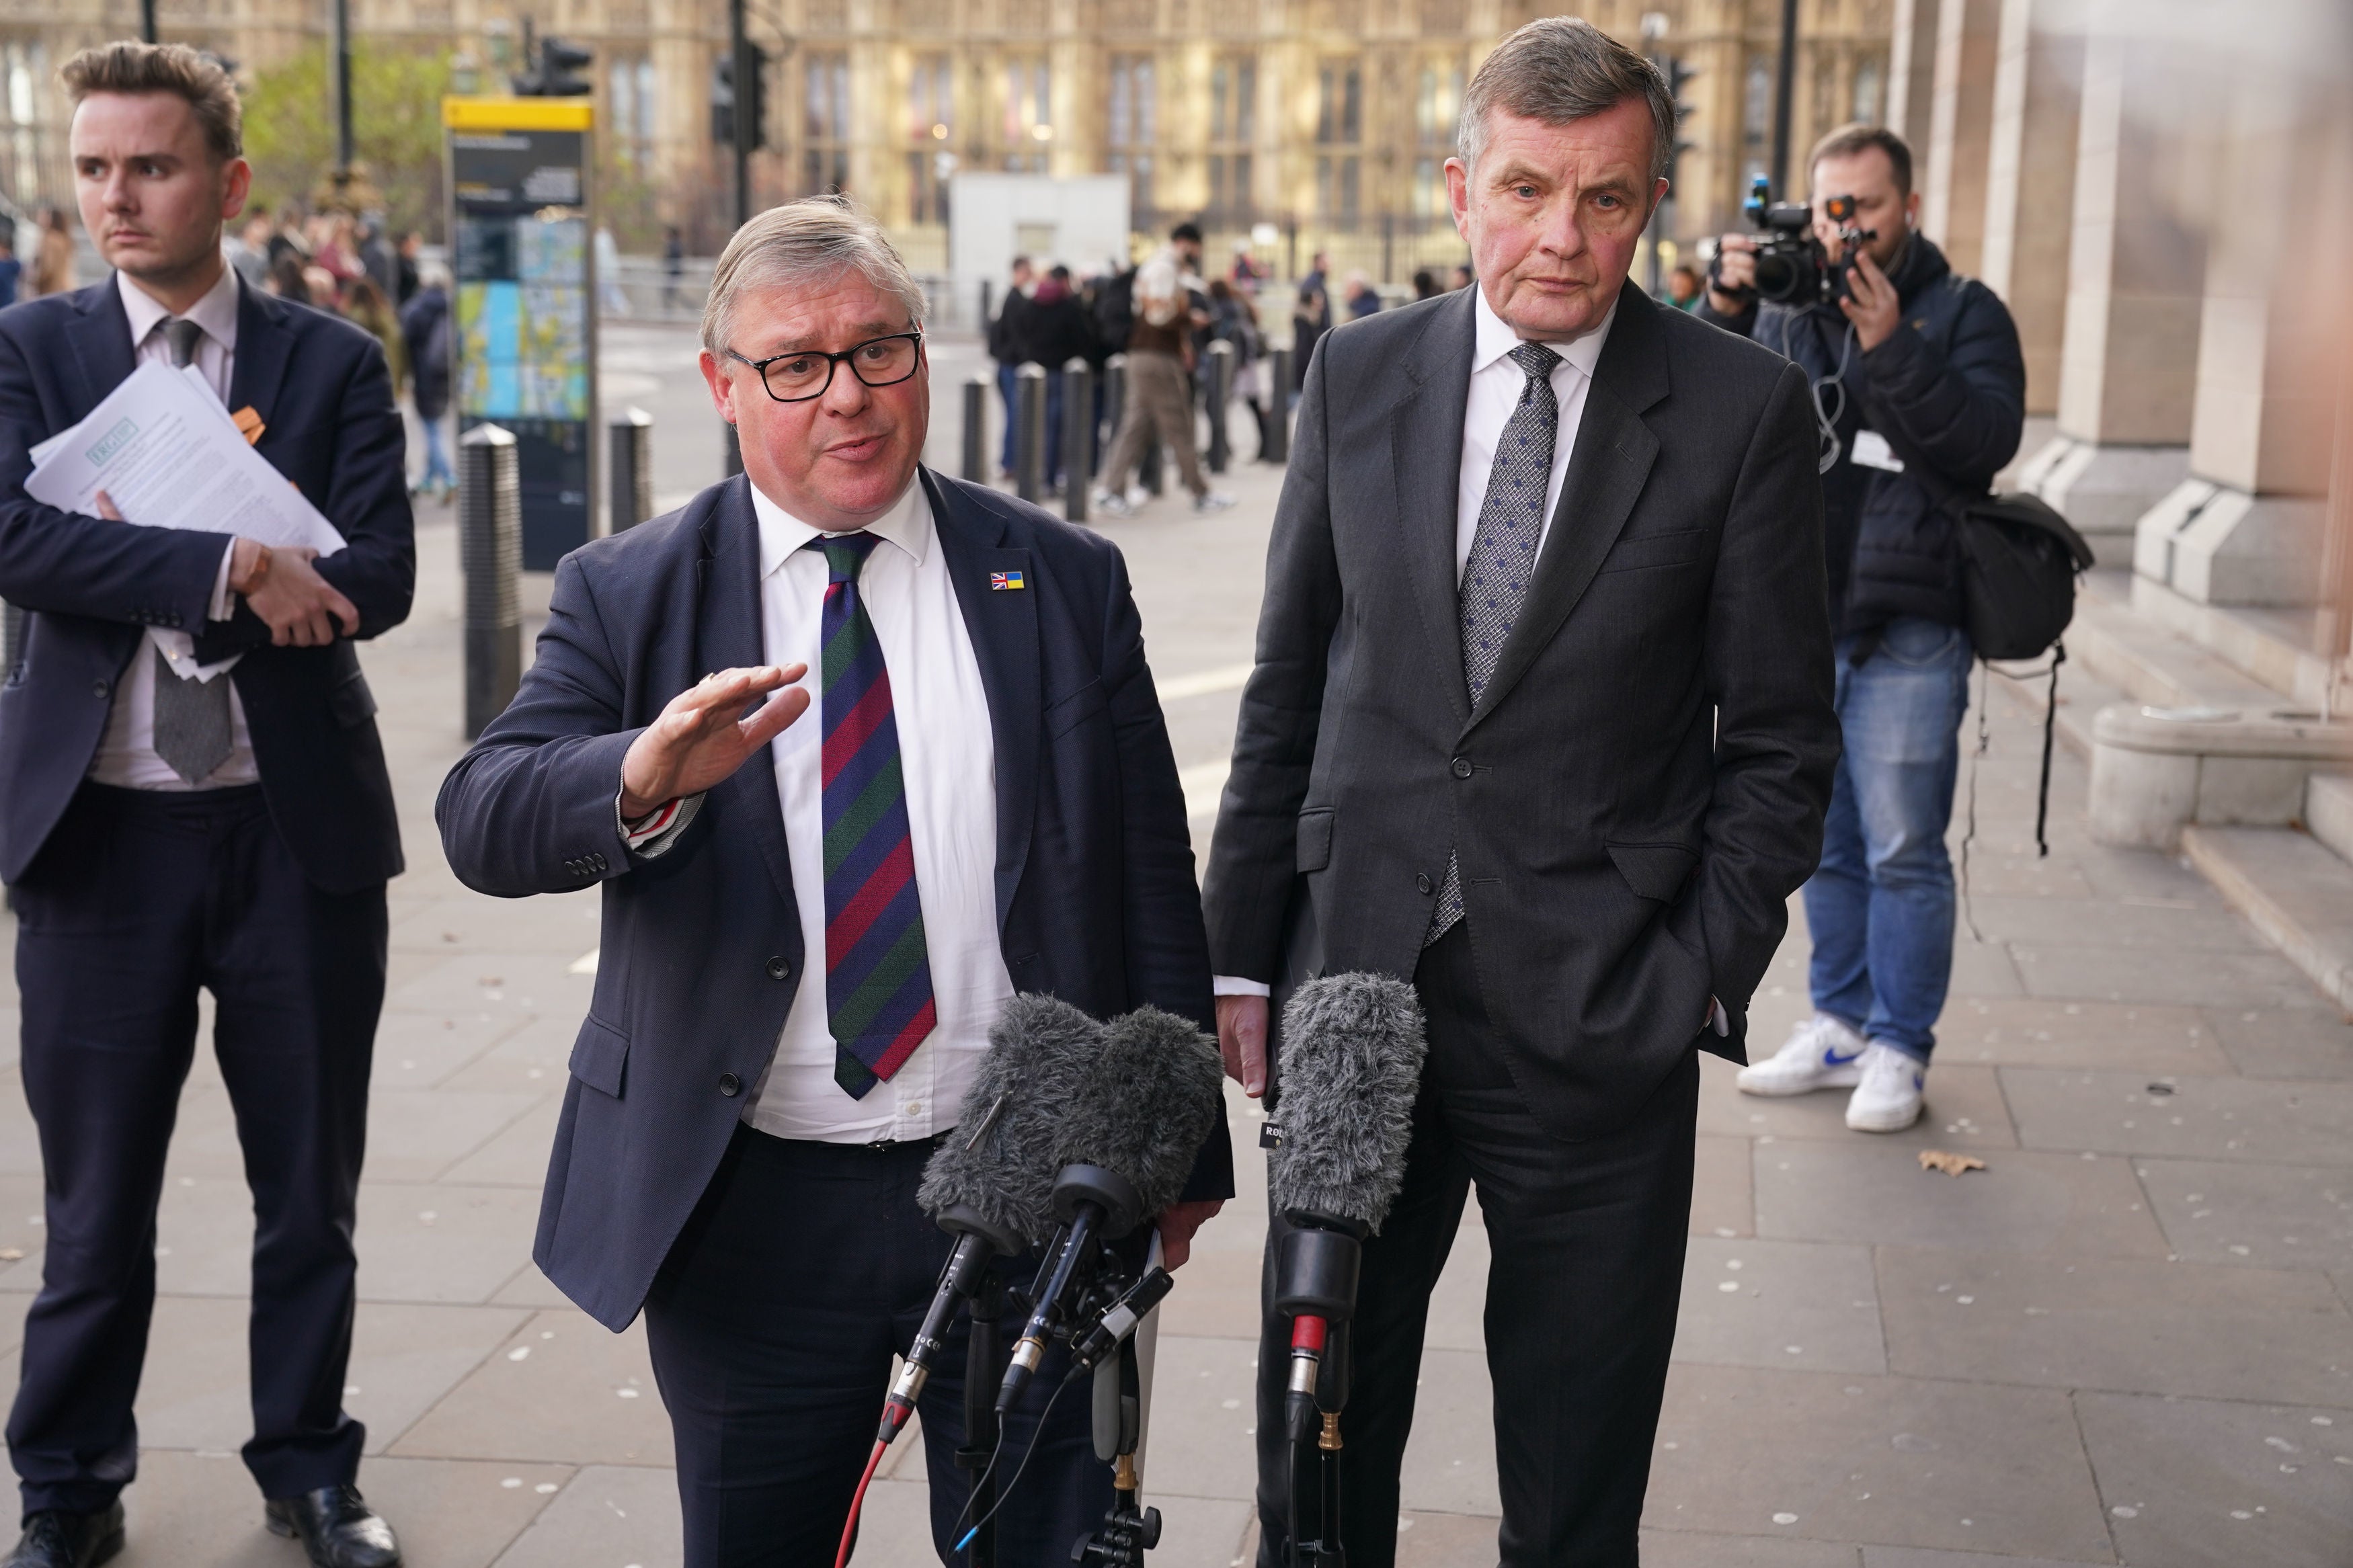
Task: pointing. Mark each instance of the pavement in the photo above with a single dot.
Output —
(2126, 1338)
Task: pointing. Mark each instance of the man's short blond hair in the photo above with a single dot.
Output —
(135, 68)
(808, 242)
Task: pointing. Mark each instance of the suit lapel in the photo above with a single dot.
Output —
(728, 635)
(1606, 469)
(1004, 630)
(103, 352)
(265, 340)
(1426, 457)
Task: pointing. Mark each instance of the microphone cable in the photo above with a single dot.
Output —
(1029, 1454)
(858, 1501)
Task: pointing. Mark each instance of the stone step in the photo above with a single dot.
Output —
(2328, 811)
(2271, 647)
(2149, 663)
(2292, 889)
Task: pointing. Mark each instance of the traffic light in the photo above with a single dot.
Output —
(558, 59)
(1677, 74)
(723, 98)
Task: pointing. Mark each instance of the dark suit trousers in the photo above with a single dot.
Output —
(1587, 1242)
(772, 1324)
(138, 900)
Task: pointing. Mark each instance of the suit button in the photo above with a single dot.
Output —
(97, 688)
(778, 969)
(600, 862)
(1423, 883)
(730, 1085)
(1461, 767)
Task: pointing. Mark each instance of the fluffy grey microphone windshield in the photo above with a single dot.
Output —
(1148, 1107)
(1004, 1155)
(1351, 1064)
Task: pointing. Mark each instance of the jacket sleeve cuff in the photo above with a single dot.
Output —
(1233, 986)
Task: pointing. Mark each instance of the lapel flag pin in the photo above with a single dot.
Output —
(1004, 582)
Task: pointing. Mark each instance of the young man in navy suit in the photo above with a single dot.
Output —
(857, 752)
(192, 795)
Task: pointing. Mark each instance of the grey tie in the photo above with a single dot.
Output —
(1504, 557)
(192, 717)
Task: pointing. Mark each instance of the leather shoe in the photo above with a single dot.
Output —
(336, 1527)
(56, 1539)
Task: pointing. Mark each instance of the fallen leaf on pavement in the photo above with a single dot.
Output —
(1951, 1164)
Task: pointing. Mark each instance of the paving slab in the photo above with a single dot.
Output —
(560, 1389)
(1722, 1204)
(1203, 1393)
(1963, 1109)
(442, 1243)
(2125, 1325)
(2198, 1117)
(501, 984)
(1897, 1461)
(2022, 1202)
(605, 1516)
(201, 1510)
(421, 1050)
(1779, 1304)
(2241, 980)
(1917, 1557)
(563, 924)
(1450, 1465)
(2275, 1217)
(2306, 1041)
(532, 1057)
(516, 1156)
(2147, 1038)
(1685, 1549)
(415, 1136)
(2171, 927)
(2215, 1484)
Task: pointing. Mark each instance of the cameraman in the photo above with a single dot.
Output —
(1911, 364)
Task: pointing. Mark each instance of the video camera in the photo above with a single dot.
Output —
(1793, 267)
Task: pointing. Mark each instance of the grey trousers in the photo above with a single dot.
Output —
(1157, 396)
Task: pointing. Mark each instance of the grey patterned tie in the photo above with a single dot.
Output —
(192, 717)
(1504, 557)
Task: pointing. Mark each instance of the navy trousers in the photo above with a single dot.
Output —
(1587, 1243)
(771, 1325)
(139, 899)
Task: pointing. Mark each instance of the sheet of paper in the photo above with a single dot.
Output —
(169, 456)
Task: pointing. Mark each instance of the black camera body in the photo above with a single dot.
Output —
(1794, 268)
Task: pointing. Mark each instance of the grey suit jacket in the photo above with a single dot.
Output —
(1642, 783)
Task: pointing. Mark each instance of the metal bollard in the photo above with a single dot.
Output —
(1078, 437)
(1220, 400)
(630, 453)
(1114, 392)
(1277, 447)
(1030, 439)
(490, 552)
(976, 430)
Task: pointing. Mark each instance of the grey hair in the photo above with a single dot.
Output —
(1560, 68)
(812, 240)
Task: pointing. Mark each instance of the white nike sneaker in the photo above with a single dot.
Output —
(1888, 1097)
(1820, 1053)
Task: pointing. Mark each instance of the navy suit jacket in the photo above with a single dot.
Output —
(92, 586)
(1095, 898)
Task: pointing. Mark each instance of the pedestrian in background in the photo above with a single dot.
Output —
(1924, 369)
(365, 303)
(405, 263)
(1318, 281)
(1363, 298)
(1053, 330)
(1233, 322)
(1309, 314)
(426, 327)
(1159, 385)
(286, 279)
(1684, 288)
(10, 269)
(249, 253)
(1425, 284)
(1004, 348)
(1463, 278)
(221, 819)
(673, 267)
(53, 257)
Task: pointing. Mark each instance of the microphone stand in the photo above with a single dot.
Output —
(1316, 1263)
(984, 1365)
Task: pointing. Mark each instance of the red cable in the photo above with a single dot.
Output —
(857, 1502)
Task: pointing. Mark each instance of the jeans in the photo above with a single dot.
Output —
(1008, 390)
(1880, 906)
(437, 456)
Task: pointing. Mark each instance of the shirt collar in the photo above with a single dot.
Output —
(1496, 338)
(908, 525)
(215, 312)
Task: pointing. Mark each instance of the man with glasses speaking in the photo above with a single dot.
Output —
(857, 752)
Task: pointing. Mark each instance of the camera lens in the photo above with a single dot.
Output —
(1779, 276)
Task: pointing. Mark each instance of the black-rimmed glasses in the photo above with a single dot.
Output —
(803, 373)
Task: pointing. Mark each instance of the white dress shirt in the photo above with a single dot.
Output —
(949, 758)
(126, 749)
(1497, 381)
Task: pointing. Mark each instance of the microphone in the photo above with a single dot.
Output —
(1128, 1143)
(990, 1186)
(1351, 1065)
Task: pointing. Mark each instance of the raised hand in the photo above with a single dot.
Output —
(702, 736)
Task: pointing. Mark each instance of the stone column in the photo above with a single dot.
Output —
(2246, 527)
(1961, 125)
(2031, 180)
(1911, 71)
(2136, 273)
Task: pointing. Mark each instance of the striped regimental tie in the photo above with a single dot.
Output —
(877, 973)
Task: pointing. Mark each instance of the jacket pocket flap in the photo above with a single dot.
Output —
(1655, 870)
(1065, 714)
(1656, 550)
(1315, 840)
(351, 702)
(600, 1056)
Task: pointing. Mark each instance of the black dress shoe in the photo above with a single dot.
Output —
(56, 1539)
(336, 1526)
